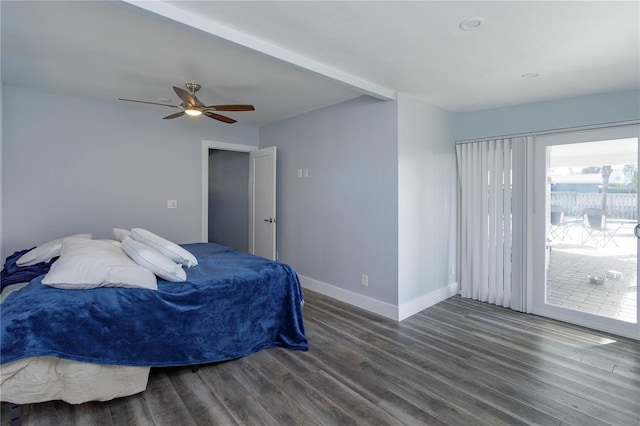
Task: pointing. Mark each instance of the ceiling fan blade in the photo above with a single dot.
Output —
(219, 117)
(231, 107)
(184, 95)
(176, 115)
(150, 103)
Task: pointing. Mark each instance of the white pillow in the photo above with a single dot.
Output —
(166, 247)
(114, 242)
(85, 264)
(154, 261)
(46, 251)
(121, 234)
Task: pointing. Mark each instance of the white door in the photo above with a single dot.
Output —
(586, 197)
(262, 217)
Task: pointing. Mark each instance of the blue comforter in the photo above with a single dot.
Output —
(232, 304)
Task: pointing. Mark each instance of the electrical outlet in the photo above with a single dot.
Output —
(172, 204)
(365, 280)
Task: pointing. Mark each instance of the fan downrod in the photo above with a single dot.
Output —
(192, 87)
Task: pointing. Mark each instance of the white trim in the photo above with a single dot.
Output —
(226, 146)
(206, 146)
(553, 131)
(582, 319)
(387, 310)
(423, 302)
(241, 39)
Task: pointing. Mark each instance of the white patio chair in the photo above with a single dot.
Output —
(594, 228)
(558, 228)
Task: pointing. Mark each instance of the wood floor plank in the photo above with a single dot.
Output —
(91, 413)
(298, 363)
(279, 405)
(348, 365)
(312, 400)
(459, 387)
(605, 387)
(245, 409)
(198, 398)
(524, 349)
(401, 374)
(407, 413)
(350, 401)
(129, 410)
(164, 404)
(53, 413)
(508, 382)
(566, 344)
(459, 362)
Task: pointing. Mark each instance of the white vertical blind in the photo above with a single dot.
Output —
(493, 220)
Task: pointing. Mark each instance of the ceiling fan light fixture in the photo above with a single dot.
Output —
(193, 107)
(193, 112)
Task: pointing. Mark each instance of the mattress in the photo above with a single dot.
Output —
(41, 379)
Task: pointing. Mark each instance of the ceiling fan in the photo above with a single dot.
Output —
(192, 106)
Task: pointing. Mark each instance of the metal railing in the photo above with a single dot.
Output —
(619, 206)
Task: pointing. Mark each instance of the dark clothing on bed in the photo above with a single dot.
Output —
(12, 273)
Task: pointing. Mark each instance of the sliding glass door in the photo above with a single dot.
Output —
(586, 209)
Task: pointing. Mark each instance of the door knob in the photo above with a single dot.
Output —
(636, 231)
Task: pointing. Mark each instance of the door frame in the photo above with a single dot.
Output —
(540, 307)
(206, 146)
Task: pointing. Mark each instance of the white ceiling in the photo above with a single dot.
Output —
(287, 58)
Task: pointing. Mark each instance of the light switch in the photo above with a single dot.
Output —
(299, 173)
(172, 204)
(306, 173)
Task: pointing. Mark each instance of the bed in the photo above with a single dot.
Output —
(99, 344)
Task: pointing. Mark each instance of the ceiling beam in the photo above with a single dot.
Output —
(216, 29)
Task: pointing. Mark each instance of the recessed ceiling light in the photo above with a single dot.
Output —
(530, 75)
(471, 24)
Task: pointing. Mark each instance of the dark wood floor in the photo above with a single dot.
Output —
(458, 363)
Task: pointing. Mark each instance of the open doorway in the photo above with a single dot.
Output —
(228, 198)
(259, 190)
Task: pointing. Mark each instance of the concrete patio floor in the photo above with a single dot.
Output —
(571, 263)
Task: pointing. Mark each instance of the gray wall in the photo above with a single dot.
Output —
(427, 199)
(341, 221)
(540, 116)
(75, 165)
(229, 198)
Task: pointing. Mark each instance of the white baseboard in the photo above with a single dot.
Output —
(423, 302)
(387, 310)
(367, 303)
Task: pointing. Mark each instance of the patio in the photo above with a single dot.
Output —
(571, 263)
